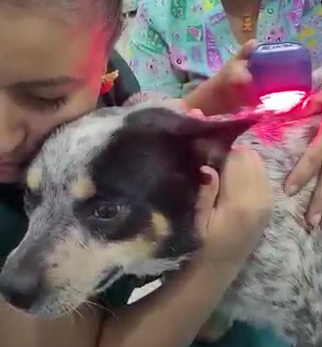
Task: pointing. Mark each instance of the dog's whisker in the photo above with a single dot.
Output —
(104, 308)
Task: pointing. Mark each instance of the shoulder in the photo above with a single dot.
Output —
(124, 86)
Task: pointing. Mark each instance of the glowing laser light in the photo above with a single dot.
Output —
(282, 75)
(282, 102)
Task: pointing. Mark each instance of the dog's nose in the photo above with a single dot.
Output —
(20, 289)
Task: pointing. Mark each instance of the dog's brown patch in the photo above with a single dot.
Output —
(83, 188)
(80, 263)
(34, 179)
(160, 224)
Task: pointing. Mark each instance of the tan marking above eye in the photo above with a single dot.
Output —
(83, 188)
(160, 224)
(34, 178)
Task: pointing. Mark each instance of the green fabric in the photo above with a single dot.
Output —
(12, 220)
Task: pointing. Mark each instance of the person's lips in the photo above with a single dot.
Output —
(7, 168)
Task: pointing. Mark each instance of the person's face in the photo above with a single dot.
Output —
(50, 73)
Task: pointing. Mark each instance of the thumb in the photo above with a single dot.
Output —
(313, 105)
(245, 50)
(207, 197)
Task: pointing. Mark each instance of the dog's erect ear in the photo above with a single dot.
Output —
(210, 140)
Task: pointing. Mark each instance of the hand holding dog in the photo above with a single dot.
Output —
(308, 166)
(243, 207)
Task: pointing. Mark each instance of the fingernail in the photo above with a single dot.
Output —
(291, 190)
(205, 178)
(184, 104)
(238, 147)
(195, 112)
(315, 220)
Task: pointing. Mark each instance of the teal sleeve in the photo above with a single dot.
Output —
(150, 59)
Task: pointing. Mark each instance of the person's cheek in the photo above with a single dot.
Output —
(95, 63)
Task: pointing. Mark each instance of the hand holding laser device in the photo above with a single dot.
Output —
(281, 67)
(282, 75)
(282, 80)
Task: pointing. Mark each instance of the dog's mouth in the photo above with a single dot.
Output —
(108, 279)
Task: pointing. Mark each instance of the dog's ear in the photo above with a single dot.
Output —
(209, 140)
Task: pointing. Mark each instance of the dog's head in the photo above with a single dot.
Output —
(109, 196)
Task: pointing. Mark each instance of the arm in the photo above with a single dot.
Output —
(200, 97)
(149, 55)
(173, 315)
(310, 164)
(227, 91)
(79, 329)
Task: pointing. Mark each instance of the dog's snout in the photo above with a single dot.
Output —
(20, 289)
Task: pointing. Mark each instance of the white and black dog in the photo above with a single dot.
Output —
(114, 193)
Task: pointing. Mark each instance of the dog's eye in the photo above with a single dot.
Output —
(107, 211)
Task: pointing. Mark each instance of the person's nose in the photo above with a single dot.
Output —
(12, 129)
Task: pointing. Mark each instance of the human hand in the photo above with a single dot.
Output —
(228, 90)
(308, 166)
(236, 81)
(244, 205)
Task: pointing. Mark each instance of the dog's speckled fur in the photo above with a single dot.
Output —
(71, 257)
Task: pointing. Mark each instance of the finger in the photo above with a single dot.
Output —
(196, 113)
(242, 82)
(207, 196)
(317, 78)
(308, 166)
(314, 213)
(314, 105)
(239, 73)
(243, 175)
(246, 49)
(236, 170)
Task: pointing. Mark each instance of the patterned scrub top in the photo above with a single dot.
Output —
(175, 44)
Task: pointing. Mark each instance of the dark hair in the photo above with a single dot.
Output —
(105, 14)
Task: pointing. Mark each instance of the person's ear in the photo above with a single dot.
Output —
(209, 141)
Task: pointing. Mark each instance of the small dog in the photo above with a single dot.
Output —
(116, 195)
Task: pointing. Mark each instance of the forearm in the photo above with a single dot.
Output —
(80, 328)
(173, 315)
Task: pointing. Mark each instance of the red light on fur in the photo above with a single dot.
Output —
(282, 102)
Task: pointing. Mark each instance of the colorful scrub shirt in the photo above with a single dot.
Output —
(175, 44)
